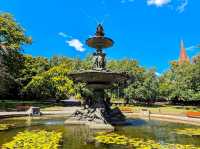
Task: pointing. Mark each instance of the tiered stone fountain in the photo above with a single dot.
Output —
(97, 112)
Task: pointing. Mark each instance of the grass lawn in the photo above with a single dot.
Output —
(9, 105)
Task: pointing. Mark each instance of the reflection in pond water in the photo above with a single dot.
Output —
(78, 137)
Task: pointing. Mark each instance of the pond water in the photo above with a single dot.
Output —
(75, 136)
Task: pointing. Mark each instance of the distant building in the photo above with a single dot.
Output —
(183, 55)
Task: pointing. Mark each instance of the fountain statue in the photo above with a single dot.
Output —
(97, 112)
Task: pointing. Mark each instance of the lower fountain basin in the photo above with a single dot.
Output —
(77, 136)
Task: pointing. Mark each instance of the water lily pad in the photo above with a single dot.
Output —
(138, 143)
(35, 140)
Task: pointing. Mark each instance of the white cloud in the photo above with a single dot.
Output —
(75, 43)
(158, 3)
(181, 7)
(124, 1)
(62, 34)
(191, 48)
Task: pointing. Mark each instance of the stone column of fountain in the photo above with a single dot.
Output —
(97, 113)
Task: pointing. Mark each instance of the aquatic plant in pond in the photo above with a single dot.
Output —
(6, 126)
(112, 138)
(80, 137)
(35, 140)
(188, 131)
(137, 143)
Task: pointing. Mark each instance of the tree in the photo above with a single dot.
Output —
(5, 81)
(87, 63)
(12, 38)
(178, 82)
(32, 66)
(196, 77)
(135, 73)
(149, 87)
(166, 86)
(53, 83)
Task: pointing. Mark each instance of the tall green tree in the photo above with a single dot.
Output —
(196, 77)
(12, 38)
(178, 82)
(53, 83)
(135, 72)
(149, 88)
(32, 66)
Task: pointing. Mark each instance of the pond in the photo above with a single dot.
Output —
(75, 137)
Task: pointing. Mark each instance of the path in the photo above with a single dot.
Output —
(69, 110)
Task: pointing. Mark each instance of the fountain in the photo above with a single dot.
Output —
(97, 112)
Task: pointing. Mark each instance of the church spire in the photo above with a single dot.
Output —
(183, 55)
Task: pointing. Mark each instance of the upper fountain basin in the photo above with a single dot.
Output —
(99, 42)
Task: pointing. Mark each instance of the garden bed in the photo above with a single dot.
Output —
(193, 114)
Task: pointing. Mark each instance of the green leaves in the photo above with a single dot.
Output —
(138, 143)
(53, 83)
(12, 38)
(6, 126)
(182, 81)
(35, 140)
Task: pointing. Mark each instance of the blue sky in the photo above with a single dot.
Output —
(146, 30)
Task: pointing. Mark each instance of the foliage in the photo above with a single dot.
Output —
(136, 77)
(87, 63)
(112, 138)
(145, 87)
(32, 66)
(53, 83)
(39, 77)
(6, 126)
(12, 32)
(188, 131)
(126, 65)
(73, 64)
(35, 140)
(137, 143)
(6, 80)
(12, 38)
(182, 81)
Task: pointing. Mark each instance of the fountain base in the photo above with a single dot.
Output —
(97, 113)
(98, 118)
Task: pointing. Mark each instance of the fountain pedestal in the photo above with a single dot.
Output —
(97, 112)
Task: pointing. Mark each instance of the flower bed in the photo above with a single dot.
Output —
(126, 109)
(193, 114)
(35, 140)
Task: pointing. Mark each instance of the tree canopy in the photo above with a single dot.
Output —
(26, 76)
(12, 38)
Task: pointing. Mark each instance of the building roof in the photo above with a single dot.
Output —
(183, 55)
